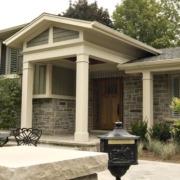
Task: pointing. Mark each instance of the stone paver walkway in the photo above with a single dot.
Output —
(147, 170)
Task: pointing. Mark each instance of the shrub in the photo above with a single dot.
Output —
(10, 99)
(160, 131)
(139, 128)
(168, 151)
(155, 146)
(163, 150)
(175, 104)
(140, 148)
(176, 131)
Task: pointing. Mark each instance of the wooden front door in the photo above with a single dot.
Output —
(108, 103)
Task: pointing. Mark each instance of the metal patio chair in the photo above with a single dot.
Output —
(27, 136)
(3, 140)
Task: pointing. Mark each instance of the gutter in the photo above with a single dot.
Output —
(149, 64)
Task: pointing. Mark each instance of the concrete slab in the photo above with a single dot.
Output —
(29, 162)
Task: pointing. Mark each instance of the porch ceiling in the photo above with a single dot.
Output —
(91, 60)
(70, 63)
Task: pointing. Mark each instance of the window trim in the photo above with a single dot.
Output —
(173, 115)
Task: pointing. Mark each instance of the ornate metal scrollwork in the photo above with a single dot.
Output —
(27, 136)
(121, 155)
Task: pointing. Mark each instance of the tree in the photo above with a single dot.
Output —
(10, 100)
(154, 22)
(84, 11)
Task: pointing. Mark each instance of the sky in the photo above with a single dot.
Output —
(17, 12)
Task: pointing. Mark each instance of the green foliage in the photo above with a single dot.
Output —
(139, 128)
(10, 99)
(154, 22)
(175, 104)
(176, 131)
(164, 150)
(155, 146)
(160, 131)
(90, 12)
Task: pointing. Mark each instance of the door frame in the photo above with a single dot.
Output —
(96, 93)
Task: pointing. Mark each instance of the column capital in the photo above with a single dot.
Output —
(27, 65)
(82, 58)
(147, 75)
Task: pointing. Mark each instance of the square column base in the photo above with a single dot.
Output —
(81, 136)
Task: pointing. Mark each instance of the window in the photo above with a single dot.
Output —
(40, 79)
(63, 81)
(175, 91)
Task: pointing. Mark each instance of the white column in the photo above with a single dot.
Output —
(27, 93)
(82, 81)
(148, 97)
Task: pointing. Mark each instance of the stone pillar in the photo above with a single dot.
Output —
(148, 97)
(82, 81)
(27, 93)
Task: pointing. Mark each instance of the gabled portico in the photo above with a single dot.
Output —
(76, 45)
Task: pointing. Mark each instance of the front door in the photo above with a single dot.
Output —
(108, 103)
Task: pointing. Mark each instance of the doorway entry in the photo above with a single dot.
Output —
(108, 103)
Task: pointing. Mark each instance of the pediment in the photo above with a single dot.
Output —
(36, 28)
(58, 35)
(93, 32)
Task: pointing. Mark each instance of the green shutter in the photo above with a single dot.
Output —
(3, 59)
(19, 64)
(14, 58)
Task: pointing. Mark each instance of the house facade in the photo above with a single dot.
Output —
(79, 76)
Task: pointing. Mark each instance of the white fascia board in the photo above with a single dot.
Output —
(153, 66)
(127, 39)
(48, 18)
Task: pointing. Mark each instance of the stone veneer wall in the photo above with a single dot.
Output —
(133, 98)
(54, 116)
(162, 97)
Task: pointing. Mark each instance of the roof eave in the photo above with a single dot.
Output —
(126, 38)
(150, 65)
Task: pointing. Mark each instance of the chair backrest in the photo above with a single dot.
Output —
(27, 136)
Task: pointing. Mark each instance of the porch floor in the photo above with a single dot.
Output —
(67, 141)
